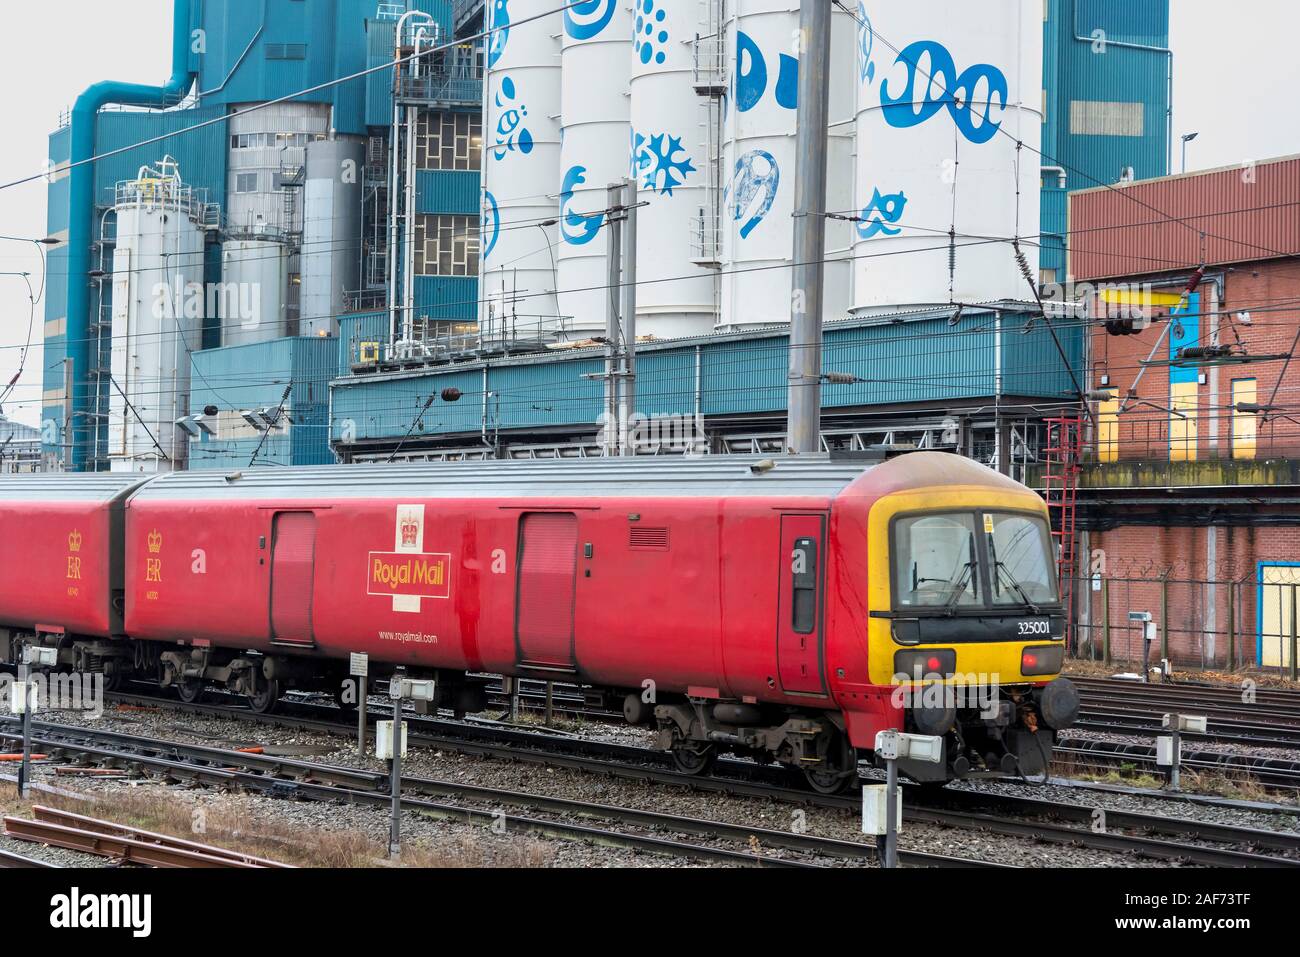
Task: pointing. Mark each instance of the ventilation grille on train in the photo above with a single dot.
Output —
(648, 539)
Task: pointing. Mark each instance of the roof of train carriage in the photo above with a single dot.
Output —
(99, 487)
(642, 476)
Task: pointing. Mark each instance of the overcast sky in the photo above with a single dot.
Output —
(1236, 78)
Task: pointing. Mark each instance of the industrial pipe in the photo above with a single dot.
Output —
(81, 212)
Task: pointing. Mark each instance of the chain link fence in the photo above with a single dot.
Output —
(1248, 622)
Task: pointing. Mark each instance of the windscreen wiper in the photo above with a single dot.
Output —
(1011, 580)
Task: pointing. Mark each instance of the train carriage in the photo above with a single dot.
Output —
(784, 609)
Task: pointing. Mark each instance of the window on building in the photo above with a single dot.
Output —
(1099, 118)
(1108, 428)
(449, 141)
(1244, 424)
(245, 182)
(446, 245)
(1182, 421)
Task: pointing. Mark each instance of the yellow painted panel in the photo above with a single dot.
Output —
(1182, 428)
(1244, 424)
(1129, 297)
(1279, 581)
(1001, 659)
(1108, 428)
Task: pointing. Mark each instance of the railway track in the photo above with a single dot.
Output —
(12, 861)
(286, 777)
(1025, 818)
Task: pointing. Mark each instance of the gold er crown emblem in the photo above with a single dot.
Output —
(74, 542)
(155, 542)
(410, 533)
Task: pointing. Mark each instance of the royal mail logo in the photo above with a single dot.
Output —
(74, 542)
(408, 574)
(155, 542)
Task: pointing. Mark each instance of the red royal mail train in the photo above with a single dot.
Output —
(785, 609)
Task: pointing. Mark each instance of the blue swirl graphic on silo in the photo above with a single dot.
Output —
(752, 76)
(753, 189)
(866, 43)
(490, 226)
(500, 24)
(577, 229)
(582, 21)
(655, 162)
(957, 92)
(650, 32)
(881, 214)
(511, 134)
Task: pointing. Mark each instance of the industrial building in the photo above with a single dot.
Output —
(333, 261)
(20, 447)
(1186, 488)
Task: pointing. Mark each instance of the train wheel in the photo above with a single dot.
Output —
(189, 690)
(263, 701)
(693, 758)
(826, 781)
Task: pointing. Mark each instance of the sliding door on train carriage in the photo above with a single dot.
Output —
(547, 589)
(293, 573)
(801, 584)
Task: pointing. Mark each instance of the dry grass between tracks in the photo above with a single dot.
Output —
(239, 823)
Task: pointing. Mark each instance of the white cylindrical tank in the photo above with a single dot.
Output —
(331, 233)
(760, 164)
(938, 124)
(254, 280)
(521, 172)
(597, 65)
(159, 302)
(267, 151)
(671, 131)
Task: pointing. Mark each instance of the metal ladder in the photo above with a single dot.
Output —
(1060, 487)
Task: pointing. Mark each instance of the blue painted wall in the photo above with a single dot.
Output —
(922, 360)
(1108, 51)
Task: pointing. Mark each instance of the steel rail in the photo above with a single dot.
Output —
(1017, 828)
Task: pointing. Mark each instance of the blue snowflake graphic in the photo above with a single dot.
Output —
(655, 162)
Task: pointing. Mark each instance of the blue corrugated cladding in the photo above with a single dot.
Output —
(255, 376)
(378, 45)
(366, 327)
(923, 360)
(200, 153)
(450, 298)
(448, 191)
(264, 49)
(1102, 51)
(56, 291)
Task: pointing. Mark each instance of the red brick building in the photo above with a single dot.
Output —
(1189, 494)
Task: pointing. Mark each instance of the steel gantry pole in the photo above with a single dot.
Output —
(804, 434)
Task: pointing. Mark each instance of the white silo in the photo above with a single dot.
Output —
(159, 301)
(759, 163)
(597, 65)
(331, 233)
(937, 132)
(251, 299)
(670, 136)
(521, 171)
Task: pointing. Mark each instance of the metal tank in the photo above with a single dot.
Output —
(251, 298)
(942, 104)
(670, 143)
(759, 163)
(331, 233)
(159, 302)
(267, 153)
(521, 172)
(596, 65)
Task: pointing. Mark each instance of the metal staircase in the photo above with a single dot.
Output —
(1060, 488)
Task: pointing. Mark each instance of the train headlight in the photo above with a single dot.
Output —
(919, 665)
(1042, 660)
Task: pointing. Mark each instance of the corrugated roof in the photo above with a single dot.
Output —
(642, 476)
(63, 487)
